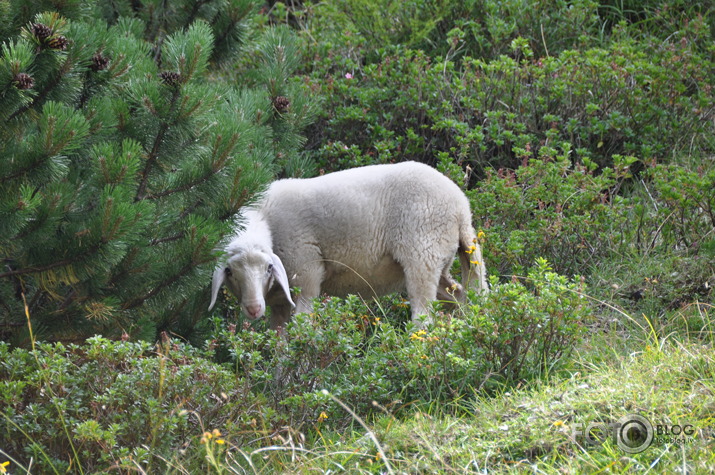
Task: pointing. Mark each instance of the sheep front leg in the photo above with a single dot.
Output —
(280, 315)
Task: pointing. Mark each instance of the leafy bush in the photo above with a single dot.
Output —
(549, 145)
(488, 27)
(616, 98)
(372, 23)
(685, 209)
(107, 403)
(514, 333)
(361, 355)
(548, 208)
(658, 19)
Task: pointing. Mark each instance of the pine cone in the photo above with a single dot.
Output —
(58, 42)
(41, 32)
(23, 81)
(281, 103)
(170, 78)
(99, 62)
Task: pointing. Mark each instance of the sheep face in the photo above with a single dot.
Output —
(250, 276)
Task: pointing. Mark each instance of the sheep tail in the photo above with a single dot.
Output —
(471, 262)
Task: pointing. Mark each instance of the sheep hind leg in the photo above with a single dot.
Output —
(450, 290)
(421, 286)
(309, 282)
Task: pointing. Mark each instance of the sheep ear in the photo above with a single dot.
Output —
(279, 273)
(218, 278)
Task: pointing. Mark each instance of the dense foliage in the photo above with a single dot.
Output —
(104, 390)
(582, 133)
(125, 159)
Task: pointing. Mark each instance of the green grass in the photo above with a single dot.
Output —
(527, 429)
(626, 365)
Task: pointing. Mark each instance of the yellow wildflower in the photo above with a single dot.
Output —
(476, 263)
(471, 249)
(481, 235)
(322, 416)
(419, 335)
(214, 434)
(558, 423)
(377, 320)
(3, 467)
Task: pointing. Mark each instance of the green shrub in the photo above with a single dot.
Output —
(515, 333)
(490, 26)
(665, 271)
(109, 403)
(324, 349)
(361, 355)
(373, 23)
(657, 19)
(548, 208)
(685, 209)
(489, 114)
(112, 403)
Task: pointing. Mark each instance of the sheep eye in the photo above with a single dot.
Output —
(228, 271)
(270, 268)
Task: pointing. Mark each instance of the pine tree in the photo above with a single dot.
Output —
(123, 159)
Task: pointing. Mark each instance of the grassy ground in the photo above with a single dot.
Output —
(536, 428)
(669, 381)
(661, 368)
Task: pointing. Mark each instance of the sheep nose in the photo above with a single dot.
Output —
(254, 310)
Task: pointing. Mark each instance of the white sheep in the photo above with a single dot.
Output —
(370, 231)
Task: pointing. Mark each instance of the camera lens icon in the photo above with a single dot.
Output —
(635, 434)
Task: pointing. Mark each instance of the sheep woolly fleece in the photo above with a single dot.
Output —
(371, 231)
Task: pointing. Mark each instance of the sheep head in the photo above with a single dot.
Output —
(250, 275)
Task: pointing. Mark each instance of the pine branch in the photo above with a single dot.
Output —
(225, 34)
(184, 187)
(175, 237)
(8, 311)
(154, 154)
(195, 10)
(45, 268)
(68, 299)
(185, 269)
(181, 234)
(166, 283)
(216, 167)
(37, 300)
(22, 171)
(40, 97)
(157, 51)
(189, 210)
